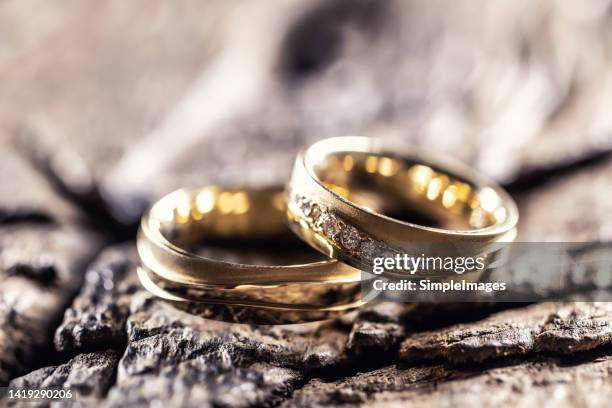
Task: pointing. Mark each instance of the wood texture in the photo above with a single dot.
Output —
(104, 107)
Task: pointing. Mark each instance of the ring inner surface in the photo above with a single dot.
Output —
(238, 226)
(410, 191)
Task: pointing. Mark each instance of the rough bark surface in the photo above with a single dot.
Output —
(89, 375)
(545, 327)
(104, 107)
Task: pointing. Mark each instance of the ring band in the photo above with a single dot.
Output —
(292, 296)
(341, 188)
(184, 217)
(239, 311)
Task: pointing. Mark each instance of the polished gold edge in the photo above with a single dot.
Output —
(176, 264)
(304, 178)
(333, 232)
(236, 297)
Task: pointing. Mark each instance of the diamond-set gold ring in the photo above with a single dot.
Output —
(342, 190)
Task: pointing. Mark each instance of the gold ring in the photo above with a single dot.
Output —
(344, 192)
(172, 270)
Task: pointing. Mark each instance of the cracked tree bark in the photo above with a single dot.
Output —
(520, 103)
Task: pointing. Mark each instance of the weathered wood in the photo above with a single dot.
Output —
(546, 327)
(104, 107)
(544, 381)
(89, 376)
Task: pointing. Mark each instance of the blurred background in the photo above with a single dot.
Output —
(129, 100)
(106, 106)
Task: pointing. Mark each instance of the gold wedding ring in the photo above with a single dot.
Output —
(344, 191)
(172, 269)
(348, 197)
